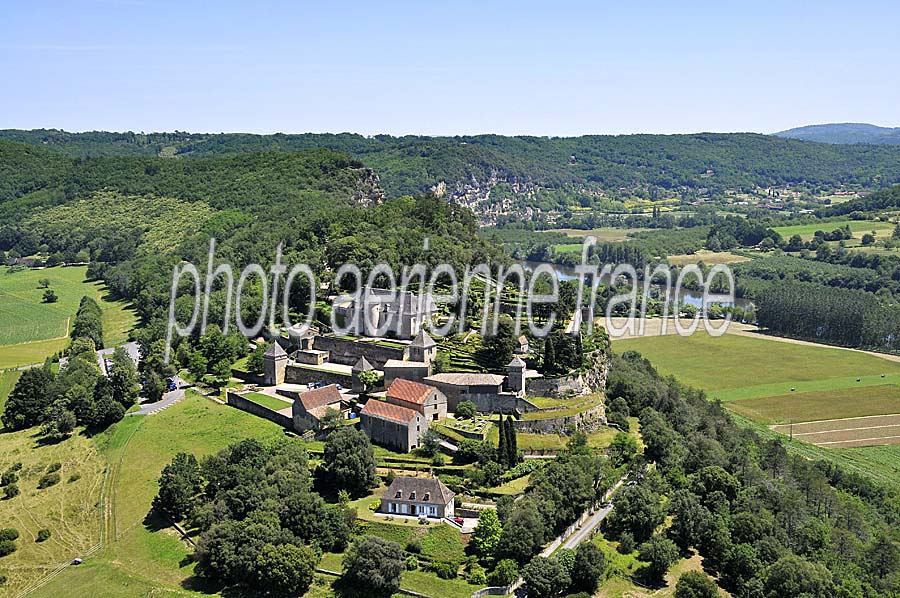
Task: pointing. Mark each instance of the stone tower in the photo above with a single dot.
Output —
(362, 365)
(516, 377)
(274, 364)
(423, 348)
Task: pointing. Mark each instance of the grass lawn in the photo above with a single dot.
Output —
(796, 407)
(30, 330)
(7, 383)
(512, 487)
(573, 407)
(142, 557)
(857, 227)
(734, 367)
(267, 401)
(555, 442)
(68, 509)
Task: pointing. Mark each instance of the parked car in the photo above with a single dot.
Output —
(459, 520)
(171, 385)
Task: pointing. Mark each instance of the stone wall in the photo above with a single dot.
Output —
(348, 352)
(564, 386)
(498, 403)
(236, 400)
(295, 373)
(587, 421)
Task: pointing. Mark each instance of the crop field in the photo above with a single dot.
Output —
(710, 258)
(883, 399)
(30, 330)
(847, 433)
(737, 367)
(857, 227)
(602, 234)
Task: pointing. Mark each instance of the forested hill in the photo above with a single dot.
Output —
(493, 173)
(845, 133)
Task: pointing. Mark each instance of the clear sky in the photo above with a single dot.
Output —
(447, 67)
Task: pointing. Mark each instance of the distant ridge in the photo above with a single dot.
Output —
(845, 133)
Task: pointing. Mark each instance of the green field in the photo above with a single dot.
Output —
(30, 330)
(858, 227)
(735, 367)
(606, 233)
(141, 556)
(883, 399)
(7, 382)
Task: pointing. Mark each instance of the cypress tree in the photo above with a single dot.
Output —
(502, 448)
(549, 356)
(512, 447)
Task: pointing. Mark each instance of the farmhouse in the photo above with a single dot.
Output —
(392, 426)
(427, 400)
(310, 407)
(427, 497)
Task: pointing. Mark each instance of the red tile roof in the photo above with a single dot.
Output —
(409, 392)
(376, 408)
(320, 397)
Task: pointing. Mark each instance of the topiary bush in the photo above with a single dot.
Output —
(412, 563)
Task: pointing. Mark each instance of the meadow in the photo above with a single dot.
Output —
(30, 329)
(739, 367)
(857, 227)
(882, 399)
(710, 258)
(606, 233)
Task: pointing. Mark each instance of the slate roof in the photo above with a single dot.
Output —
(409, 392)
(385, 410)
(275, 350)
(516, 363)
(363, 365)
(423, 340)
(403, 488)
(466, 379)
(320, 397)
(402, 363)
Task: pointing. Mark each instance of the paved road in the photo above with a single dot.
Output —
(169, 399)
(594, 520)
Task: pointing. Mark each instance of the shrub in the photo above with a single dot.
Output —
(10, 477)
(505, 573)
(47, 480)
(74, 477)
(9, 533)
(11, 491)
(7, 547)
(445, 570)
(375, 505)
(626, 543)
(15, 466)
(54, 467)
(476, 575)
(414, 546)
(412, 563)
(3, 580)
(43, 535)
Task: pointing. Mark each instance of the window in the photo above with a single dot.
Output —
(432, 511)
(427, 496)
(404, 508)
(393, 508)
(398, 495)
(412, 495)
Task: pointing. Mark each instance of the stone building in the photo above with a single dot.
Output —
(380, 312)
(274, 364)
(310, 407)
(427, 400)
(418, 497)
(423, 348)
(359, 367)
(392, 426)
(515, 380)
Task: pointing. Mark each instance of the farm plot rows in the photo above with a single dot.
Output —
(847, 433)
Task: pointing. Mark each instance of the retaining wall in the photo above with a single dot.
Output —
(348, 352)
(587, 420)
(295, 373)
(236, 400)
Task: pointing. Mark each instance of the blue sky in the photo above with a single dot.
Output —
(542, 68)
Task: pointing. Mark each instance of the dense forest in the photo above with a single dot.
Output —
(577, 166)
(768, 523)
